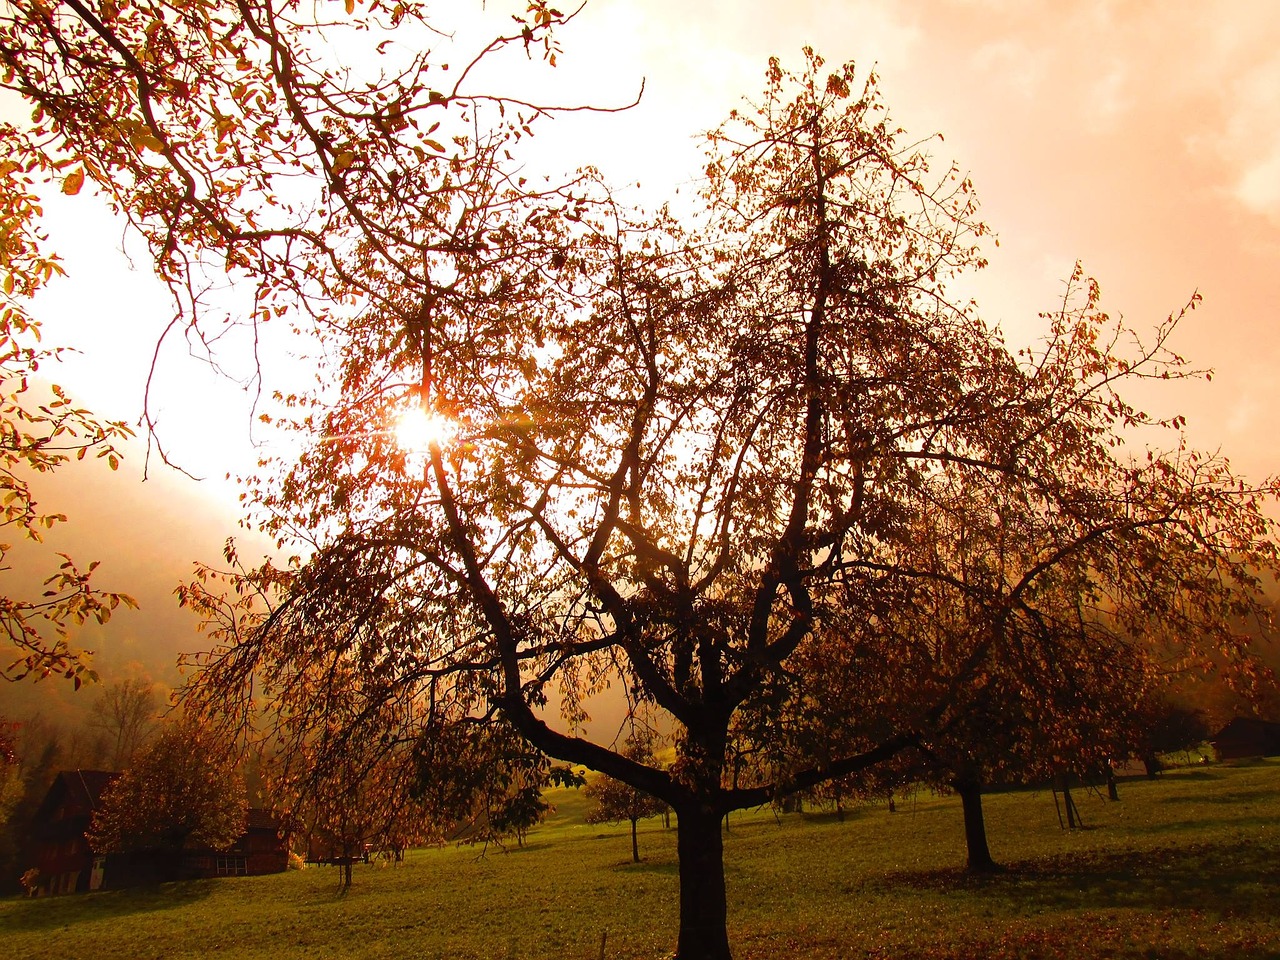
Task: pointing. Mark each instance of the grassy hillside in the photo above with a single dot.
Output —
(1187, 866)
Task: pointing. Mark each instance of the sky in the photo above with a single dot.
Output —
(1141, 138)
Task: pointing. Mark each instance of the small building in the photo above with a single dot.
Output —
(1247, 737)
(68, 864)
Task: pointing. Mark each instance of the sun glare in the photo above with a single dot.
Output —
(417, 430)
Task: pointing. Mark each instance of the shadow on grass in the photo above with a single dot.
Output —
(665, 867)
(1234, 821)
(1239, 879)
(49, 913)
(1229, 797)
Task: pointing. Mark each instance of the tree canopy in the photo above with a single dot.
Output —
(681, 456)
(182, 790)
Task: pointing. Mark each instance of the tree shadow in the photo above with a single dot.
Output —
(1227, 798)
(665, 867)
(46, 913)
(1240, 879)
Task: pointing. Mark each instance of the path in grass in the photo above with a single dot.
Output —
(1183, 867)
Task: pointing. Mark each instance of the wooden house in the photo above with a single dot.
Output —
(1247, 737)
(61, 852)
(67, 863)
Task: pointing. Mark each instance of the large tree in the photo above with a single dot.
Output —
(181, 791)
(682, 459)
(675, 455)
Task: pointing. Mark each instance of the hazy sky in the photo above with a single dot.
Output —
(1142, 138)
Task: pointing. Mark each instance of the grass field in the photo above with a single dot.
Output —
(1186, 866)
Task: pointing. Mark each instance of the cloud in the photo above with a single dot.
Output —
(1237, 65)
(1258, 188)
(1023, 68)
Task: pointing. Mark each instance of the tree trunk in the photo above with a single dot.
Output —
(975, 827)
(635, 846)
(1063, 783)
(703, 907)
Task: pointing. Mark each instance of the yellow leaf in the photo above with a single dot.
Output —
(145, 141)
(72, 184)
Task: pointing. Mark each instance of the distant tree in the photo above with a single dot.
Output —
(182, 790)
(334, 754)
(615, 802)
(125, 712)
(357, 807)
(1164, 726)
(486, 780)
(1021, 638)
(10, 774)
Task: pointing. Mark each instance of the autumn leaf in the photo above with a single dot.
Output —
(73, 182)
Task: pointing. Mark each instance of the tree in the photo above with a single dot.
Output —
(355, 808)
(615, 801)
(41, 430)
(690, 457)
(10, 774)
(1039, 634)
(335, 750)
(125, 711)
(675, 456)
(182, 790)
(483, 779)
(1164, 726)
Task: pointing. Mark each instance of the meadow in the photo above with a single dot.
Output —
(1184, 866)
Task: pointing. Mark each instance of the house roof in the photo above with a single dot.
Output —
(79, 791)
(257, 818)
(1247, 727)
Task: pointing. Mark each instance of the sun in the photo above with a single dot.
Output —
(417, 430)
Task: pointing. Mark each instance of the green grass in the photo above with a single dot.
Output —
(1187, 866)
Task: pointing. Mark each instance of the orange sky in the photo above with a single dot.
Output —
(1142, 137)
